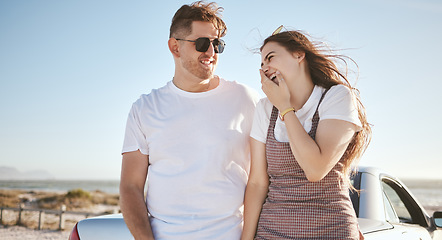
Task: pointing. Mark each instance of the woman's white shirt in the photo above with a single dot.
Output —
(339, 103)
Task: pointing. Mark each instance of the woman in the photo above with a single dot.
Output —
(306, 135)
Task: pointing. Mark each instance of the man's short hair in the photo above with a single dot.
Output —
(198, 11)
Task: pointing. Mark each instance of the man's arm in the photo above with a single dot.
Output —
(133, 207)
(256, 190)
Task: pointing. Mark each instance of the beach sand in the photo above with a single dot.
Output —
(9, 231)
(24, 233)
(95, 203)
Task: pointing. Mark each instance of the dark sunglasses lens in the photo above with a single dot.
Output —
(219, 45)
(202, 44)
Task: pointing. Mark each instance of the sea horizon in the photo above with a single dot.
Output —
(61, 185)
(428, 192)
(418, 187)
(112, 185)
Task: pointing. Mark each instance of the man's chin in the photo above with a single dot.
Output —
(207, 75)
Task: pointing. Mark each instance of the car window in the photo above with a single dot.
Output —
(397, 204)
(390, 214)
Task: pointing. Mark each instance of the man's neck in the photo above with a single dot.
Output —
(200, 85)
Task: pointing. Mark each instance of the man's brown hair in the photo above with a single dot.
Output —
(198, 11)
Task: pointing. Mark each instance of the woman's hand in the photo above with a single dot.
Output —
(276, 91)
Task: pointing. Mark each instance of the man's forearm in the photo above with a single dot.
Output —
(135, 213)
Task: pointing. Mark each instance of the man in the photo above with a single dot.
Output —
(190, 138)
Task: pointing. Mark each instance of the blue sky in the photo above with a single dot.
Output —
(70, 70)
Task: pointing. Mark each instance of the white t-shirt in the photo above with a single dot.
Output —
(338, 103)
(199, 158)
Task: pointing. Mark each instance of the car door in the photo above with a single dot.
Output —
(403, 212)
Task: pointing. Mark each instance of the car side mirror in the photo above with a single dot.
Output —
(437, 218)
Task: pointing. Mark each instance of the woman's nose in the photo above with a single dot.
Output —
(264, 68)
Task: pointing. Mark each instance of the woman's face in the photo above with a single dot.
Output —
(275, 57)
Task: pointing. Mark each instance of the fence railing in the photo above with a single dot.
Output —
(42, 212)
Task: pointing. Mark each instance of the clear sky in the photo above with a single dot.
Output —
(70, 70)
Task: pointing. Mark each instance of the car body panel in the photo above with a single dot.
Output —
(386, 199)
(381, 206)
(370, 195)
(370, 225)
(104, 227)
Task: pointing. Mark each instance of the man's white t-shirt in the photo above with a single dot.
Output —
(198, 147)
(338, 103)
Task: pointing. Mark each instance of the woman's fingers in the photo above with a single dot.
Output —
(280, 80)
(263, 76)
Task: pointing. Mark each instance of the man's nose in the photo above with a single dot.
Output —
(211, 50)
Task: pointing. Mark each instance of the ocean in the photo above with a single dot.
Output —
(108, 186)
(428, 192)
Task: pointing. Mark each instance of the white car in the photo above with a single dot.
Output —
(386, 209)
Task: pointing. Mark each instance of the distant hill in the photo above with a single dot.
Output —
(10, 173)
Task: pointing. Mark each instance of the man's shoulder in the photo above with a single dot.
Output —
(235, 84)
(242, 88)
(154, 92)
(153, 95)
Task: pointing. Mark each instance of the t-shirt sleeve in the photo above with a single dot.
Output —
(261, 120)
(134, 138)
(340, 103)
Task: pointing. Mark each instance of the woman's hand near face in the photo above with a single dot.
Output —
(277, 92)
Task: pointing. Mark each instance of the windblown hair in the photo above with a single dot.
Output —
(198, 11)
(325, 73)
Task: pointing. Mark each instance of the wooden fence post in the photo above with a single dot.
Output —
(42, 213)
(61, 223)
(20, 210)
(41, 219)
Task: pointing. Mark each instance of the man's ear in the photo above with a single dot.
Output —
(174, 48)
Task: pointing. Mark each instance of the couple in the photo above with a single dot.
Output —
(190, 141)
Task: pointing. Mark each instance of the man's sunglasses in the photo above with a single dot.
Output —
(203, 43)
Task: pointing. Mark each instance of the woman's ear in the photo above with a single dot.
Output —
(174, 48)
(299, 55)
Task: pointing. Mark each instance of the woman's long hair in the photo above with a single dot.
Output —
(325, 73)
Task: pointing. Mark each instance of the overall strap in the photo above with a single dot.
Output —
(315, 119)
(273, 117)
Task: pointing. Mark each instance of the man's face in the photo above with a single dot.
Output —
(200, 64)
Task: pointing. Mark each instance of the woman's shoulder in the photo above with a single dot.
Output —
(339, 103)
(264, 105)
(263, 109)
(339, 89)
(338, 93)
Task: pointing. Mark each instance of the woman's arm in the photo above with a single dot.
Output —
(256, 190)
(318, 157)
